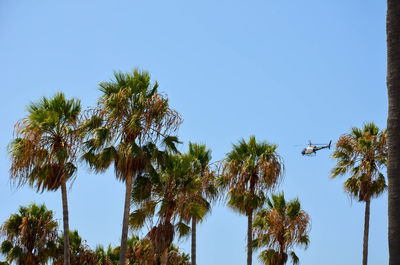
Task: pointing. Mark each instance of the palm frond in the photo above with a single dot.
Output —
(294, 258)
(182, 229)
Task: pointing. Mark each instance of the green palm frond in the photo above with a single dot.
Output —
(378, 185)
(198, 210)
(182, 229)
(138, 218)
(6, 247)
(142, 189)
(295, 259)
(304, 240)
(47, 141)
(272, 257)
(266, 256)
(293, 208)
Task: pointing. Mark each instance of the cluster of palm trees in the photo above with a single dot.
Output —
(133, 130)
(31, 238)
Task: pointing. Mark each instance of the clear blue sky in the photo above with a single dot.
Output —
(285, 71)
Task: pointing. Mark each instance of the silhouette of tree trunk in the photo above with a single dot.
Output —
(194, 223)
(249, 237)
(124, 236)
(393, 127)
(65, 223)
(366, 231)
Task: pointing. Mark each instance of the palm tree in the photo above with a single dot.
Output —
(130, 120)
(44, 152)
(177, 258)
(206, 191)
(166, 193)
(362, 154)
(107, 257)
(250, 169)
(139, 252)
(81, 254)
(393, 128)
(30, 235)
(280, 227)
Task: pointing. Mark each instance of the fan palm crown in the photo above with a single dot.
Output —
(44, 151)
(30, 235)
(251, 168)
(362, 154)
(280, 227)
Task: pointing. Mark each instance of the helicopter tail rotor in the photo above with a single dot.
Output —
(329, 145)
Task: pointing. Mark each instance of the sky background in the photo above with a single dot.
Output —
(284, 71)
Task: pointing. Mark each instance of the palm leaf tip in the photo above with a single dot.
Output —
(183, 229)
(294, 258)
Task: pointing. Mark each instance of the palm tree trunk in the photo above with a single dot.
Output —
(194, 223)
(124, 236)
(366, 231)
(249, 237)
(65, 222)
(393, 128)
(164, 257)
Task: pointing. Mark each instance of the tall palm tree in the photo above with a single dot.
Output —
(362, 154)
(30, 235)
(393, 128)
(206, 191)
(280, 227)
(131, 118)
(250, 169)
(44, 152)
(166, 194)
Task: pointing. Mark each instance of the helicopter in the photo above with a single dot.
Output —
(312, 149)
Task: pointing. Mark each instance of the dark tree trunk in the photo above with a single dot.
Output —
(65, 223)
(124, 236)
(249, 214)
(393, 127)
(249, 237)
(194, 223)
(366, 231)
